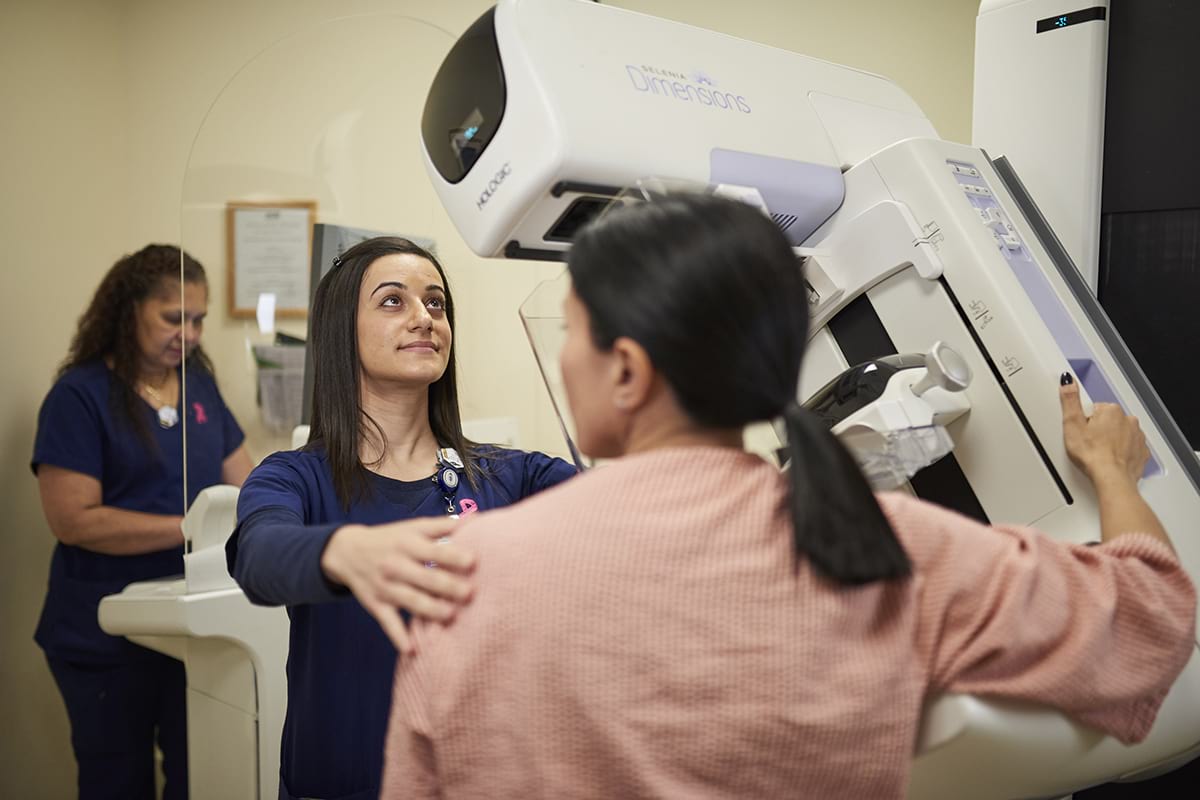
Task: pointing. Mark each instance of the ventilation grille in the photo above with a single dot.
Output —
(784, 221)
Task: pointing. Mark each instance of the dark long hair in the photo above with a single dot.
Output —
(107, 330)
(711, 289)
(339, 422)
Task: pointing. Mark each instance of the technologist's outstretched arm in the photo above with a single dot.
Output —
(280, 559)
(1111, 449)
(385, 566)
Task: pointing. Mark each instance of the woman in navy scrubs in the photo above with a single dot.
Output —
(345, 531)
(109, 463)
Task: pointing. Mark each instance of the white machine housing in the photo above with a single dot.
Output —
(539, 104)
(1040, 75)
(911, 241)
(1019, 321)
(234, 654)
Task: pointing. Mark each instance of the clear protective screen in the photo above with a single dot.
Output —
(312, 146)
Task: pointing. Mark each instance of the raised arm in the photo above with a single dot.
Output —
(1098, 632)
(1111, 450)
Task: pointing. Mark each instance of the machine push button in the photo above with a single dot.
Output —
(993, 216)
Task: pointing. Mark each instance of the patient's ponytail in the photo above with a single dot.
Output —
(837, 525)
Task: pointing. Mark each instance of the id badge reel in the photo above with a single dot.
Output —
(448, 478)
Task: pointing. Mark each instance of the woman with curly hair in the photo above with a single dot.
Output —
(110, 468)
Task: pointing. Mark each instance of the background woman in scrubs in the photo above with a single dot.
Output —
(109, 463)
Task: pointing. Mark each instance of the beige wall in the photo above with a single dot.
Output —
(63, 209)
(99, 104)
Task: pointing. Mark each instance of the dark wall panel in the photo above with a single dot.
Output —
(1152, 106)
(1150, 287)
(1150, 231)
(1150, 228)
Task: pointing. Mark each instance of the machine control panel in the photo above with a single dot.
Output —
(975, 188)
(1016, 252)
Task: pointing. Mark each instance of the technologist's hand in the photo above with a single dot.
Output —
(1105, 445)
(385, 567)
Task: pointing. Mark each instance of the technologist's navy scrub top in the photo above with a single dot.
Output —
(78, 430)
(340, 662)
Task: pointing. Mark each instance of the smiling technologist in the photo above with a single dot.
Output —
(344, 531)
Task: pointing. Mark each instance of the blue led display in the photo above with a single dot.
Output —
(1073, 18)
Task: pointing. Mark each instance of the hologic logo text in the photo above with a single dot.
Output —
(493, 185)
(696, 89)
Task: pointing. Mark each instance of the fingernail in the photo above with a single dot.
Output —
(1066, 379)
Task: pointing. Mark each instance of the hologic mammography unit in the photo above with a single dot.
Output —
(921, 250)
(942, 302)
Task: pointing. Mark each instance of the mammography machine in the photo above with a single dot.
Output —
(915, 246)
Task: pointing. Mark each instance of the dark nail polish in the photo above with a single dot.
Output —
(1066, 379)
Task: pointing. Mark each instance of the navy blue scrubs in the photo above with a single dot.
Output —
(118, 695)
(340, 662)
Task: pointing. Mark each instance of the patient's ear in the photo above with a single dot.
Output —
(633, 375)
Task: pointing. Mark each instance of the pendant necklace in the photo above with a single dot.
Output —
(167, 415)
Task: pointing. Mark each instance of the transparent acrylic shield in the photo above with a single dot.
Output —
(322, 127)
(542, 316)
(542, 313)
